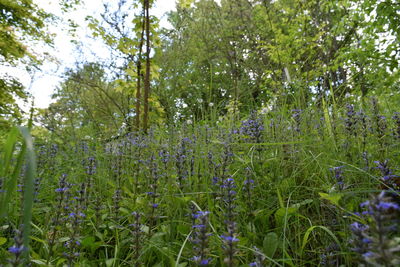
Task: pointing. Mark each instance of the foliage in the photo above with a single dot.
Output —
(21, 22)
(281, 52)
(264, 148)
(87, 104)
(124, 35)
(267, 190)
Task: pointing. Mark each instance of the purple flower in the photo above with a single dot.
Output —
(248, 181)
(387, 205)
(215, 180)
(204, 262)
(15, 250)
(252, 128)
(356, 226)
(366, 240)
(374, 241)
(199, 237)
(338, 175)
(58, 190)
(364, 204)
(200, 214)
(229, 239)
(368, 254)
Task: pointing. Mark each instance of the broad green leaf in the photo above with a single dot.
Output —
(270, 244)
(283, 214)
(334, 198)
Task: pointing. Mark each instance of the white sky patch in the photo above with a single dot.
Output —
(42, 83)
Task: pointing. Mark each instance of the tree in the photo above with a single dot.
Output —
(126, 37)
(21, 23)
(86, 104)
(293, 52)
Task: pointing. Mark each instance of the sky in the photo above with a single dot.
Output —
(41, 84)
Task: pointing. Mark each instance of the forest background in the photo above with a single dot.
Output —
(240, 133)
(216, 58)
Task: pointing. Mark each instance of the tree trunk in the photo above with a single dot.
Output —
(139, 72)
(147, 76)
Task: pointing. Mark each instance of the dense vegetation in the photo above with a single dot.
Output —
(261, 133)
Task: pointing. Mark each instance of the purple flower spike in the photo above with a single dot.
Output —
(230, 239)
(15, 250)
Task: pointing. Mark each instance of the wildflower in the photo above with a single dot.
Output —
(137, 237)
(388, 178)
(380, 122)
(230, 238)
(181, 161)
(362, 118)
(164, 156)
(117, 200)
(20, 188)
(75, 218)
(53, 150)
(18, 248)
(374, 241)
(199, 237)
(396, 119)
(91, 166)
(252, 128)
(338, 175)
(350, 120)
(296, 115)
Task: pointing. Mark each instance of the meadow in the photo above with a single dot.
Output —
(285, 187)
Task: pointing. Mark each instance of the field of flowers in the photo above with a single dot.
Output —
(311, 187)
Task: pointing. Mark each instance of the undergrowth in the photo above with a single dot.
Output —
(282, 188)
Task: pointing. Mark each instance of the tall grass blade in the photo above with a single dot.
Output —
(28, 185)
(26, 154)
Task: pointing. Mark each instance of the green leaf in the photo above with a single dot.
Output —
(39, 262)
(88, 241)
(283, 214)
(270, 244)
(3, 240)
(334, 198)
(110, 262)
(185, 3)
(8, 150)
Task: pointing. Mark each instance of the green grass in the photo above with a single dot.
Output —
(294, 214)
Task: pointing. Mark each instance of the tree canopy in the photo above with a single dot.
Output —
(215, 58)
